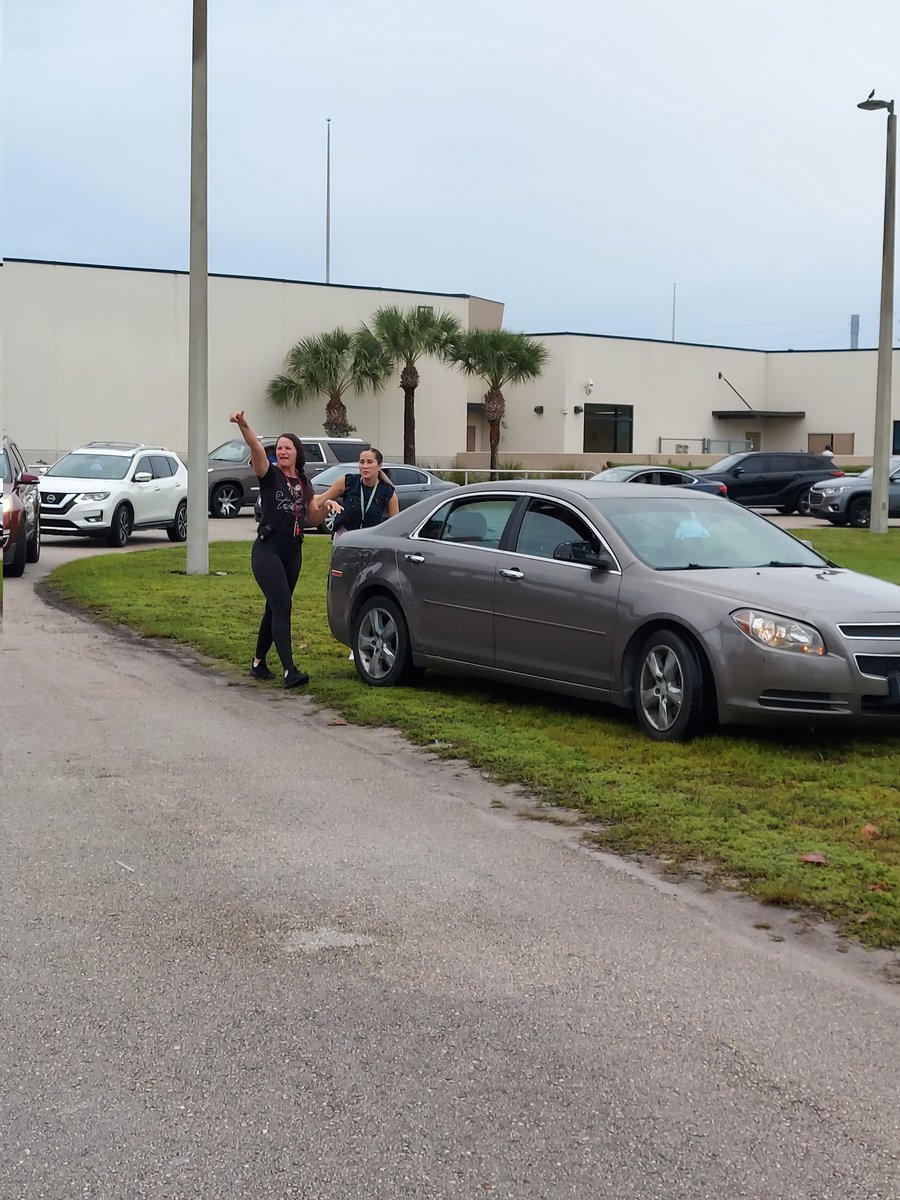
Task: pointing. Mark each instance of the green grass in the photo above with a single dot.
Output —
(746, 805)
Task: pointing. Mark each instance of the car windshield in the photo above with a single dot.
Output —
(725, 464)
(615, 474)
(231, 452)
(91, 466)
(679, 534)
(327, 477)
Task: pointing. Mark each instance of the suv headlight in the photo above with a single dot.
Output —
(778, 633)
(94, 497)
(833, 489)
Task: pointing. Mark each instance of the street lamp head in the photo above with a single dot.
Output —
(871, 105)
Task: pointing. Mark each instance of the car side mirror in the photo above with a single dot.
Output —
(739, 470)
(584, 553)
(142, 477)
(26, 478)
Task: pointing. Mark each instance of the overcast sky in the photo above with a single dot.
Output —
(571, 158)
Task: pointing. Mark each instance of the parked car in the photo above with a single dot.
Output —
(661, 477)
(681, 608)
(233, 484)
(108, 489)
(848, 501)
(412, 484)
(21, 538)
(771, 479)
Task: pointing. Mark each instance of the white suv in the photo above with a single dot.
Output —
(108, 489)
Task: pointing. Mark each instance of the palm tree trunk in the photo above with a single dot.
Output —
(409, 381)
(336, 423)
(494, 407)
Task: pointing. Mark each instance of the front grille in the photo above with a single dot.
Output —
(58, 525)
(823, 702)
(57, 501)
(874, 632)
(883, 665)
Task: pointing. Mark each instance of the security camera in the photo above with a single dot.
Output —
(589, 387)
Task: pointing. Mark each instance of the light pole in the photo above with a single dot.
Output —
(878, 521)
(197, 559)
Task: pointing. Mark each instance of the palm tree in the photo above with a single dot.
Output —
(406, 336)
(330, 364)
(498, 357)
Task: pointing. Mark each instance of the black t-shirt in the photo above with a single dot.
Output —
(283, 503)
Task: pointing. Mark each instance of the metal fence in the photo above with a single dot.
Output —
(678, 447)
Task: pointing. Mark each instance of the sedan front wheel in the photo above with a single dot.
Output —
(669, 688)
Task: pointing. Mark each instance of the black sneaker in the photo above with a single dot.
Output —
(260, 671)
(295, 678)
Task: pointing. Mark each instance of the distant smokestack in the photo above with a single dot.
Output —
(854, 332)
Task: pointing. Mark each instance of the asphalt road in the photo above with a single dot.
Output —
(249, 953)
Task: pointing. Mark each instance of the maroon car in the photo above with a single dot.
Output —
(21, 511)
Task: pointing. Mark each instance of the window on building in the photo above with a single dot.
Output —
(608, 428)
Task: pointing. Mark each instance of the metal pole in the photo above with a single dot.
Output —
(328, 200)
(674, 286)
(883, 425)
(198, 331)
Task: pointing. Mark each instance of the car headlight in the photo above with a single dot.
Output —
(833, 491)
(94, 496)
(778, 633)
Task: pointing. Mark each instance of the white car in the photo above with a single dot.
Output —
(108, 489)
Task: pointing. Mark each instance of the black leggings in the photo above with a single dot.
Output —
(276, 566)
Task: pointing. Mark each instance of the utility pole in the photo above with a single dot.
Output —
(328, 200)
(198, 312)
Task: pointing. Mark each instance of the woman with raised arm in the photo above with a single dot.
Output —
(288, 503)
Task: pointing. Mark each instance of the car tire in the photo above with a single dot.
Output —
(670, 693)
(16, 567)
(785, 510)
(225, 501)
(120, 529)
(177, 531)
(802, 504)
(859, 512)
(837, 520)
(380, 643)
(33, 545)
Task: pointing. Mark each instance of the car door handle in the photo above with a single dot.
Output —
(416, 558)
(512, 573)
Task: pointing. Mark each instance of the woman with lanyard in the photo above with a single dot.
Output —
(288, 503)
(366, 499)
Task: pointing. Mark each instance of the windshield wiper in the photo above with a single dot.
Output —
(775, 563)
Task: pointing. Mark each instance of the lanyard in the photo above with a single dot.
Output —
(362, 498)
(296, 495)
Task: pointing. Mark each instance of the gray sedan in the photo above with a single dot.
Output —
(683, 609)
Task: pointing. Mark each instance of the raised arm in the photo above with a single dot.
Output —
(258, 460)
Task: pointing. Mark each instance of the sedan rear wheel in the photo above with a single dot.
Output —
(669, 688)
(380, 642)
(859, 512)
(226, 500)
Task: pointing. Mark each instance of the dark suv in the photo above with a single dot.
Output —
(771, 478)
(233, 485)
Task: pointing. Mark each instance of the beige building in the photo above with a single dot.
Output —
(101, 353)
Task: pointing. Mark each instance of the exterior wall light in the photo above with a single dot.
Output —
(589, 387)
(578, 409)
(539, 409)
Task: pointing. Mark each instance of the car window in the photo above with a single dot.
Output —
(673, 478)
(231, 452)
(5, 467)
(144, 464)
(401, 475)
(18, 461)
(547, 525)
(163, 467)
(347, 452)
(314, 452)
(85, 465)
(479, 521)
